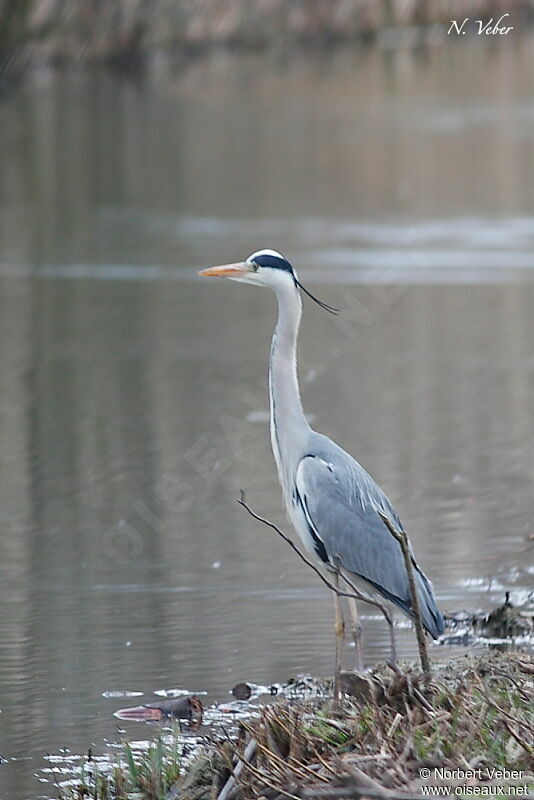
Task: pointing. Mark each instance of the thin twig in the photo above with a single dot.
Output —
(424, 702)
(285, 537)
(270, 718)
(262, 777)
(298, 768)
(355, 593)
(230, 787)
(402, 539)
(502, 711)
(313, 772)
(517, 684)
(362, 759)
(323, 761)
(519, 739)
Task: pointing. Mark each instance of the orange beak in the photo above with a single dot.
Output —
(225, 271)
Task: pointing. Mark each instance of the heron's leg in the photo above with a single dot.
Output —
(392, 640)
(340, 636)
(356, 634)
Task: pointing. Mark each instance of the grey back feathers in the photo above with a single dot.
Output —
(341, 502)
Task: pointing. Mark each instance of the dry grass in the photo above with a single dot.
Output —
(477, 714)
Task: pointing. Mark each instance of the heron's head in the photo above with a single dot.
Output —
(263, 268)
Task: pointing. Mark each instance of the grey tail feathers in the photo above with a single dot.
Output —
(432, 618)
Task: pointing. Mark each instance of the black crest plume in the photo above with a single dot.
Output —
(326, 307)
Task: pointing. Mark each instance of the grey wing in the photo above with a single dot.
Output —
(340, 502)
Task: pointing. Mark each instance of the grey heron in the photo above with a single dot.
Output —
(334, 505)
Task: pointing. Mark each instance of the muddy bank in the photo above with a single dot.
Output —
(391, 736)
(128, 34)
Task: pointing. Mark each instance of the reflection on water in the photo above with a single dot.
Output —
(133, 396)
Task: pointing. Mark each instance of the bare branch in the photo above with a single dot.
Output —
(355, 593)
(402, 539)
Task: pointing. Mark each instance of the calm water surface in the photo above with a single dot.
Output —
(133, 399)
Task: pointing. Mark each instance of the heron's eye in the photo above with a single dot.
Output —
(254, 267)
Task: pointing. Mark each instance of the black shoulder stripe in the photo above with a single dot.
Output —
(317, 541)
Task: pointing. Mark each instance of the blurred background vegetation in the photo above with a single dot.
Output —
(128, 32)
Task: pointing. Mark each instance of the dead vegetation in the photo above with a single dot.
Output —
(387, 735)
(476, 715)
(377, 742)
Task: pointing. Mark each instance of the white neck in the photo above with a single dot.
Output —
(289, 427)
